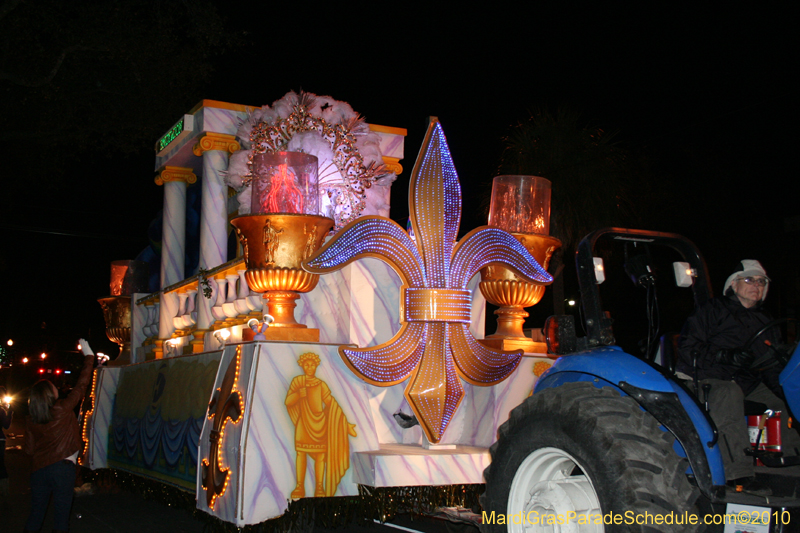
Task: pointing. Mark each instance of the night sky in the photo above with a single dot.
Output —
(704, 96)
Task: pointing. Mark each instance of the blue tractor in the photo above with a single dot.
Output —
(613, 442)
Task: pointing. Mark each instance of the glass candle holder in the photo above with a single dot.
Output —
(284, 182)
(128, 277)
(520, 204)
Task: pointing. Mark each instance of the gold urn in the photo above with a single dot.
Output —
(117, 314)
(501, 287)
(274, 246)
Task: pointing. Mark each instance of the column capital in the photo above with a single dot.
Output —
(216, 141)
(393, 164)
(176, 174)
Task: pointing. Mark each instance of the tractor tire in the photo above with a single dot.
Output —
(588, 451)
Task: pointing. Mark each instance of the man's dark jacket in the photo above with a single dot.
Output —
(724, 323)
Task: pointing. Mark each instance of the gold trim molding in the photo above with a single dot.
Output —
(216, 141)
(388, 129)
(176, 174)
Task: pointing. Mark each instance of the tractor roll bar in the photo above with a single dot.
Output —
(598, 326)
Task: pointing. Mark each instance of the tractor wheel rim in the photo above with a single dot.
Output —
(548, 498)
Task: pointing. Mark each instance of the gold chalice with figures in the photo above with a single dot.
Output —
(281, 232)
(117, 315)
(521, 206)
(127, 278)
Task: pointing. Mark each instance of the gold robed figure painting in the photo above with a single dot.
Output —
(321, 430)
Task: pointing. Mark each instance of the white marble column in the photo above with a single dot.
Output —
(204, 305)
(140, 318)
(173, 237)
(204, 318)
(215, 149)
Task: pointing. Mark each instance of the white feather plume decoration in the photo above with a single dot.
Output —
(363, 191)
(238, 169)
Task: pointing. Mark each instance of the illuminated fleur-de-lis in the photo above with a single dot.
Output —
(434, 345)
(226, 404)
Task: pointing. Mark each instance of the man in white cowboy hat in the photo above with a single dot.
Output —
(713, 348)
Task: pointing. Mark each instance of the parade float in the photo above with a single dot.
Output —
(337, 350)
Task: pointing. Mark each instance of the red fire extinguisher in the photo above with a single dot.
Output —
(765, 432)
(774, 432)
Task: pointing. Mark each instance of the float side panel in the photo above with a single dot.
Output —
(270, 447)
(158, 412)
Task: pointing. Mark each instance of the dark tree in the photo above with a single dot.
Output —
(104, 76)
(595, 182)
(591, 175)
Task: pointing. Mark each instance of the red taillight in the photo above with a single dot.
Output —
(559, 334)
(41, 370)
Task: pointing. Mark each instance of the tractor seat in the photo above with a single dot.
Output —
(669, 358)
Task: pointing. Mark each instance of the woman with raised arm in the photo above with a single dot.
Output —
(53, 439)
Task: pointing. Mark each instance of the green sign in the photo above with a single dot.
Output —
(171, 135)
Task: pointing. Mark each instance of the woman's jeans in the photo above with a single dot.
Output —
(57, 479)
(3, 471)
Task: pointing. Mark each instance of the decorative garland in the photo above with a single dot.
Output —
(202, 280)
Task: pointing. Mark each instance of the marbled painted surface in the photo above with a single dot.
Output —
(173, 233)
(374, 289)
(360, 304)
(263, 476)
(105, 389)
(259, 450)
(214, 210)
(392, 145)
(475, 423)
(168, 309)
(478, 313)
(139, 319)
(512, 392)
(404, 465)
(204, 317)
(473, 429)
(220, 120)
(488, 407)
